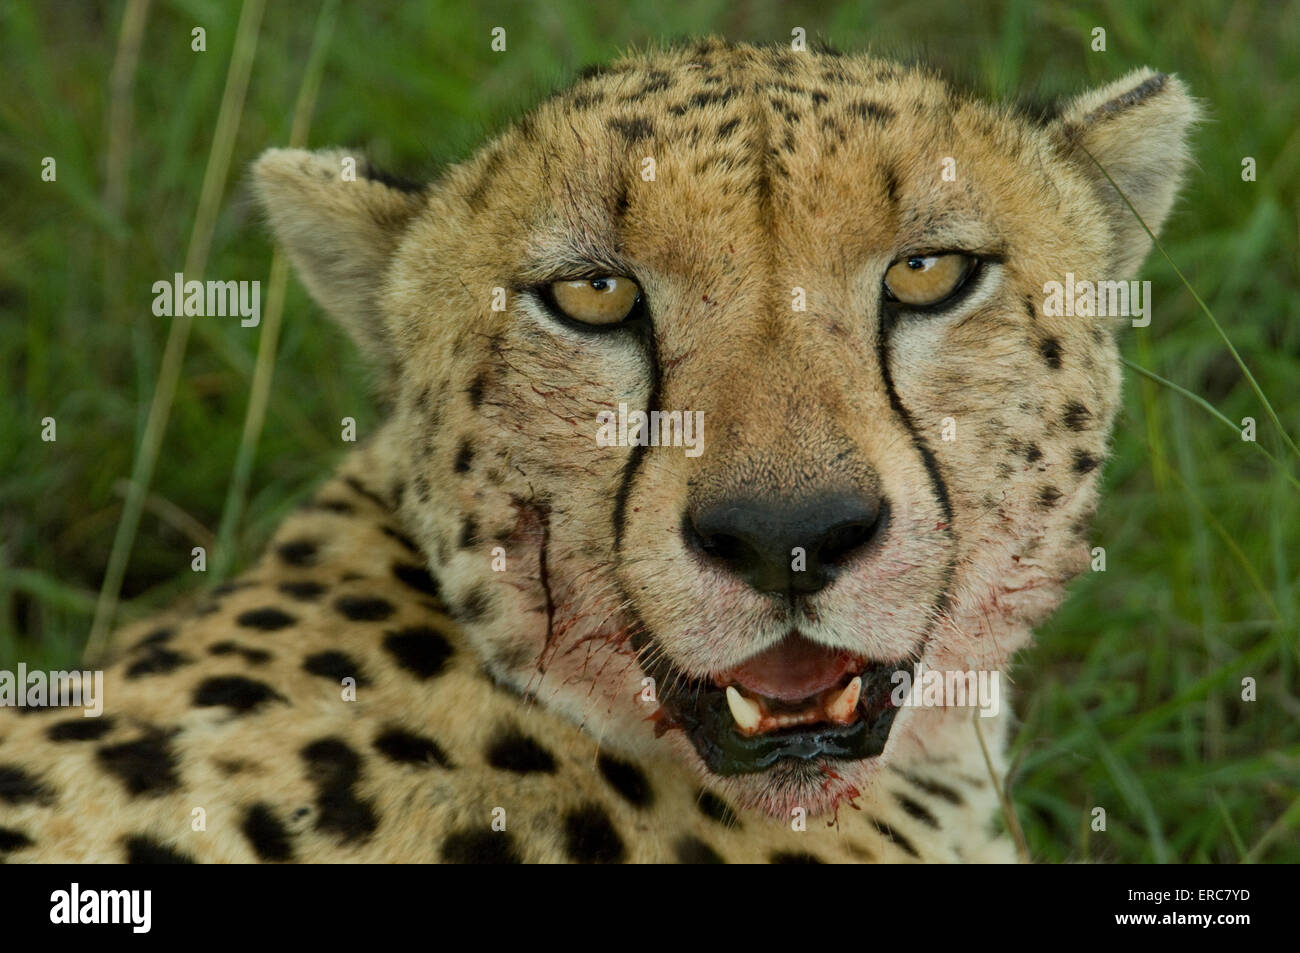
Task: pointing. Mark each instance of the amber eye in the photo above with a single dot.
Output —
(921, 280)
(606, 300)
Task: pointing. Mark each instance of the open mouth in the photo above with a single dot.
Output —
(796, 700)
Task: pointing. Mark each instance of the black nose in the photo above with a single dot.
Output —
(759, 540)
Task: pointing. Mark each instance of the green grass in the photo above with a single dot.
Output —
(1130, 700)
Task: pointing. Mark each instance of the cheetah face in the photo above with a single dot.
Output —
(834, 269)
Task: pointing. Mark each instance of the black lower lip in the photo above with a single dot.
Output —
(728, 752)
(703, 714)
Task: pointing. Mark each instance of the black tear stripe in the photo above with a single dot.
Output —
(544, 574)
(931, 467)
(640, 631)
(633, 465)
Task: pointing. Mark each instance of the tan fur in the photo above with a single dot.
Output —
(774, 170)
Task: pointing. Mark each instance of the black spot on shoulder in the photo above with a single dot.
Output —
(515, 751)
(361, 489)
(464, 457)
(146, 766)
(142, 849)
(877, 112)
(298, 552)
(405, 541)
(917, 810)
(1084, 462)
(1033, 453)
(716, 808)
(468, 532)
(794, 857)
(266, 619)
(627, 779)
(714, 97)
(251, 656)
(268, 837)
(692, 850)
(590, 838)
(157, 661)
(304, 591)
(1050, 349)
(335, 666)
(80, 729)
(419, 649)
(241, 695)
(475, 390)
(901, 842)
(19, 787)
(474, 606)
(13, 840)
(226, 588)
(364, 608)
(632, 128)
(417, 577)
(585, 99)
(727, 128)
(479, 847)
(156, 637)
(334, 768)
(405, 747)
(1076, 416)
(1047, 497)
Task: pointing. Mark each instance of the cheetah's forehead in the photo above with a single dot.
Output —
(703, 143)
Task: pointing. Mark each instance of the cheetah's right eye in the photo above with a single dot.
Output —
(925, 280)
(600, 301)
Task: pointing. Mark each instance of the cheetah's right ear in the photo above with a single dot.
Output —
(339, 233)
(1136, 129)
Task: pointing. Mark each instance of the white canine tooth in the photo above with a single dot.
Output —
(841, 709)
(745, 711)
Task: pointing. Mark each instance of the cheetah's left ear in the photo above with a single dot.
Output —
(1136, 128)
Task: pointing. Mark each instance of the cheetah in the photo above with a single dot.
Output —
(492, 636)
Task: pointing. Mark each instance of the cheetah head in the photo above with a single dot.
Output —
(832, 271)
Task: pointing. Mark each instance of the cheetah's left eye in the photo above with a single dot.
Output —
(924, 280)
(600, 301)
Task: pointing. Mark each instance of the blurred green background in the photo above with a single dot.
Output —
(1131, 699)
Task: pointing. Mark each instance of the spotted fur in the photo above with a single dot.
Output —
(518, 694)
